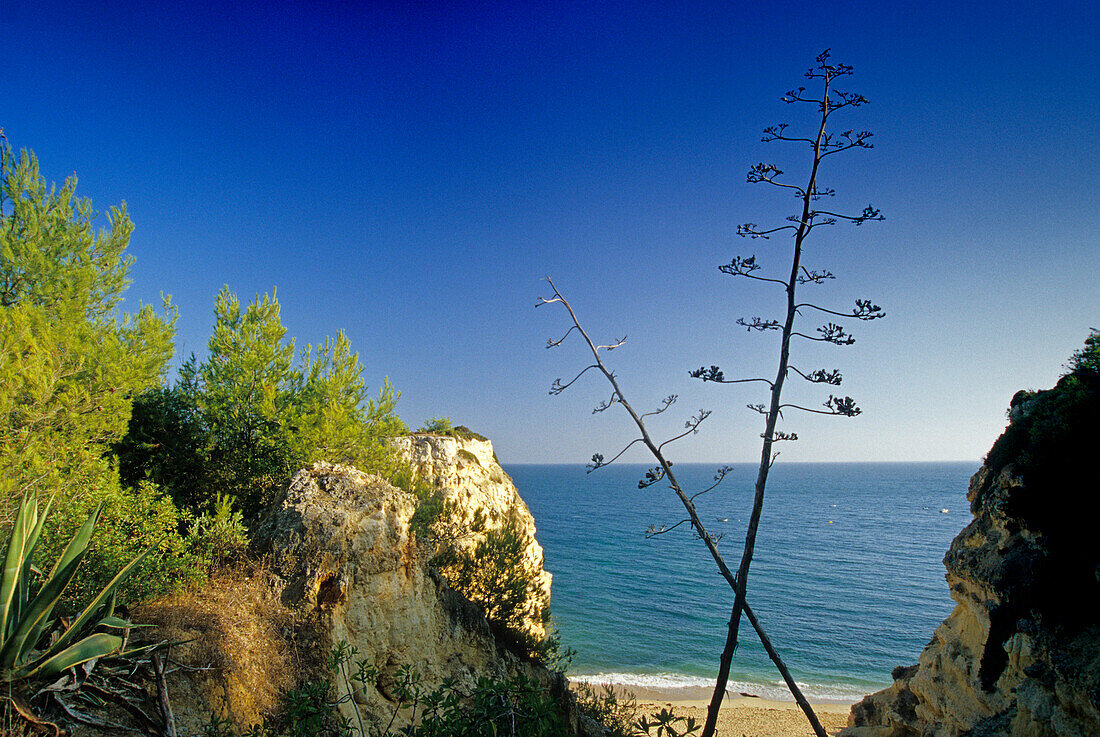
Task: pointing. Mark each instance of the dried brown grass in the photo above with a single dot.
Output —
(235, 658)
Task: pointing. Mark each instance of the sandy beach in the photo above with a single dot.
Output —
(744, 715)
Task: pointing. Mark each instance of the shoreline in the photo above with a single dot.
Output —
(742, 714)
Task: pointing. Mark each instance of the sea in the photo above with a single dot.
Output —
(847, 579)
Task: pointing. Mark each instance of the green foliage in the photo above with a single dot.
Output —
(134, 522)
(619, 713)
(515, 707)
(621, 716)
(25, 619)
(69, 364)
(1050, 428)
(244, 392)
(439, 523)
(165, 444)
(336, 419)
(1088, 358)
(665, 723)
(244, 419)
(498, 577)
(219, 538)
(438, 426)
(443, 426)
(1051, 445)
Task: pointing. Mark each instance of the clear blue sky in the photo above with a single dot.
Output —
(408, 174)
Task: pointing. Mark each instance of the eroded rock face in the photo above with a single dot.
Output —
(465, 472)
(341, 541)
(1020, 653)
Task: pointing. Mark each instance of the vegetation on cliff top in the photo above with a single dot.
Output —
(1050, 445)
(86, 415)
(1054, 429)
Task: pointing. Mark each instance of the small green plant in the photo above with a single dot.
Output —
(219, 538)
(438, 426)
(621, 716)
(25, 620)
(619, 713)
(665, 723)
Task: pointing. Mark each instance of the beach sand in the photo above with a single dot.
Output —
(756, 717)
(744, 715)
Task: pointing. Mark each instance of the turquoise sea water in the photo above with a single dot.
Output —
(847, 580)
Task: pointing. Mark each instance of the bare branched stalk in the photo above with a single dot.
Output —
(800, 226)
(664, 471)
(823, 144)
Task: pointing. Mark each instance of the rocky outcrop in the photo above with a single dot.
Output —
(1020, 653)
(341, 542)
(465, 472)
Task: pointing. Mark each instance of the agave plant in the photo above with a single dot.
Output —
(25, 620)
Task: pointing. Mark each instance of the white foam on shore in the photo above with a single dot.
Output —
(678, 686)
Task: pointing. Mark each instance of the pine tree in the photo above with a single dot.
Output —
(69, 362)
(244, 419)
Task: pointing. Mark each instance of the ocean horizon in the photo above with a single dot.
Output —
(847, 578)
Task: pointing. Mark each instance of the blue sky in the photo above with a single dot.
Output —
(408, 172)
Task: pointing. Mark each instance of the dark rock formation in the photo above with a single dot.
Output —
(1020, 653)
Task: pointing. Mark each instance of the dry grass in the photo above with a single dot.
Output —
(236, 660)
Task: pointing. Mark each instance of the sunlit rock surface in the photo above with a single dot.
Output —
(341, 541)
(466, 472)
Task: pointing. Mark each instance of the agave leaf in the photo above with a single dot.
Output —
(36, 613)
(80, 541)
(149, 648)
(28, 564)
(92, 646)
(106, 596)
(119, 623)
(44, 602)
(32, 540)
(13, 562)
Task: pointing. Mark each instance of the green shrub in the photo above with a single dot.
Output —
(132, 521)
(438, 426)
(515, 707)
(498, 577)
(617, 712)
(244, 419)
(443, 426)
(220, 538)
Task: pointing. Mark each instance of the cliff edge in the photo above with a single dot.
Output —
(1020, 653)
(464, 472)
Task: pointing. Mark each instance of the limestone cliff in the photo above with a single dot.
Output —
(1020, 653)
(340, 540)
(339, 563)
(464, 471)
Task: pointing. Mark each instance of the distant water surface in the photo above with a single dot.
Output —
(847, 580)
